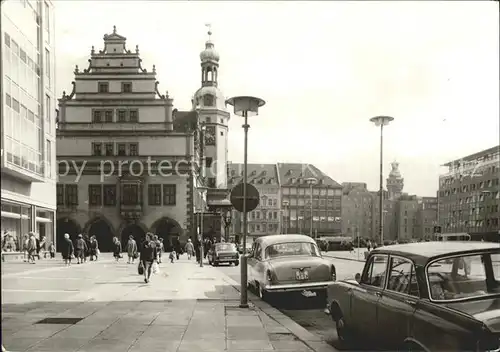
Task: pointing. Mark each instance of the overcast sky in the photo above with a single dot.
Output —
(324, 69)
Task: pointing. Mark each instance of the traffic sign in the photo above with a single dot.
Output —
(253, 197)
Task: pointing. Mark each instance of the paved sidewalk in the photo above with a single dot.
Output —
(184, 308)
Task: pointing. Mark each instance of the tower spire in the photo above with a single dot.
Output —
(209, 26)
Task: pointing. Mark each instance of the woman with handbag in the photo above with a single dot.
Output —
(117, 251)
(131, 250)
(149, 255)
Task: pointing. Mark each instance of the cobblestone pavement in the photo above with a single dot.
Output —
(106, 306)
(308, 312)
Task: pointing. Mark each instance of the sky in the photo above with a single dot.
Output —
(324, 69)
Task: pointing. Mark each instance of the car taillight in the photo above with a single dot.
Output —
(269, 277)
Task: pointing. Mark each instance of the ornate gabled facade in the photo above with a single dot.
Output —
(126, 167)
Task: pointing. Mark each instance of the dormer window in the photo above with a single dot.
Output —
(253, 173)
(288, 173)
(263, 173)
(103, 87)
(292, 180)
(208, 100)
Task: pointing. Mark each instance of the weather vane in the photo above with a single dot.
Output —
(209, 26)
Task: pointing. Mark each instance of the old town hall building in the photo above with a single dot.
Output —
(128, 161)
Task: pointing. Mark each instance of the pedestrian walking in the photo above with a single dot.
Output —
(158, 244)
(148, 256)
(161, 249)
(172, 256)
(31, 248)
(86, 238)
(189, 249)
(43, 247)
(38, 247)
(117, 250)
(94, 248)
(67, 249)
(25, 247)
(80, 249)
(131, 249)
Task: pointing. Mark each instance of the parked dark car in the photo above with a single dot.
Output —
(223, 253)
(427, 296)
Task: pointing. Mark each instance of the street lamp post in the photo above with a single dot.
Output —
(284, 224)
(381, 121)
(311, 181)
(245, 106)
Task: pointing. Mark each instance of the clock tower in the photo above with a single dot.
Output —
(211, 106)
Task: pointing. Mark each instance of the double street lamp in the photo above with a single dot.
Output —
(381, 121)
(245, 106)
(311, 181)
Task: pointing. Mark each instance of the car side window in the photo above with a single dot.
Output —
(258, 252)
(374, 274)
(402, 277)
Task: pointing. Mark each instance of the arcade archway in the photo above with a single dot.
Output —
(69, 226)
(103, 233)
(169, 230)
(132, 230)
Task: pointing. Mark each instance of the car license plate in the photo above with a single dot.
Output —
(308, 293)
(301, 275)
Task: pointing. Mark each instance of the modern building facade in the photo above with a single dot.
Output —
(469, 195)
(267, 218)
(128, 162)
(27, 70)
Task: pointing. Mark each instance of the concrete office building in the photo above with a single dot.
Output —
(28, 180)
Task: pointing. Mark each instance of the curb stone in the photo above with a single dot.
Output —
(312, 341)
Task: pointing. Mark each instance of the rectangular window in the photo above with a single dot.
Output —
(47, 17)
(402, 277)
(60, 194)
(71, 194)
(133, 149)
(96, 116)
(48, 159)
(122, 116)
(154, 195)
(110, 150)
(96, 149)
(7, 39)
(374, 274)
(109, 195)
(126, 87)
(134, 115)
(108, 116)
(103, 87)
(208, 162)
(47, 66)
(95, 195)
(48, 113)
(169, 193)
(22, 55)
(130, 194)
(122, 149)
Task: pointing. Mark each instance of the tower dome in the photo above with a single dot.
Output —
(209, 54)
(395, 173)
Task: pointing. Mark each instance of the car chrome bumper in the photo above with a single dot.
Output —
(227, 260)
(298, 287)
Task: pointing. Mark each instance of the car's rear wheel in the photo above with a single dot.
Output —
(236, 263)
(343, 334)
(215, 263)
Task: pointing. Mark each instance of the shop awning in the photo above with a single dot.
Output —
(40, 219)
(8, 214)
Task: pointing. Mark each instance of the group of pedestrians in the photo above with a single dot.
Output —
(33, 246)
(84, 248)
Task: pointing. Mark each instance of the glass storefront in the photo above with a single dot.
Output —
(16, 222)
(45, 224)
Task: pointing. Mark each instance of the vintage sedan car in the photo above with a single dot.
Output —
(283, 263)
(223, 253)
(427, 296)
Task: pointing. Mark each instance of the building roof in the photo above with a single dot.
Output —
(257, 174)
(273, 239)
(295, 174)
(423, 252)
(473, 157)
